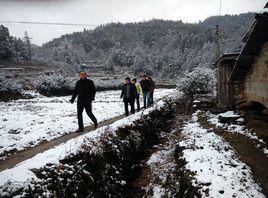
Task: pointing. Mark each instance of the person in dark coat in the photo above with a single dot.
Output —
(85, 90)
(146, 88)
(152, 88)
(128, 94)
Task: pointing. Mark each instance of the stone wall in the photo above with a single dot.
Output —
(256, 81)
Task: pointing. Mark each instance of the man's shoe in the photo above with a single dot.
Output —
(96, 126)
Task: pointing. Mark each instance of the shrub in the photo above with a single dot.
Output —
(199, 81)
(53, 85)
(108, 84)
(9, 87)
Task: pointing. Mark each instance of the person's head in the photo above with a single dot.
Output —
(134, 80)
(150, 78)
(83, 74)
(143, 77)
(127, 80)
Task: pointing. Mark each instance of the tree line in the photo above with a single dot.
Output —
(12, 48)
(157, 47)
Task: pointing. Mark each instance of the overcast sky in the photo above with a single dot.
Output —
(105, 11)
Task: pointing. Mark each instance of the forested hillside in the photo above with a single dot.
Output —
(11, 48)
(158, 47)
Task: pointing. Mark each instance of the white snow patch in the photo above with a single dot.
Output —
(240, 120)
(163, 169)
(265, 150)
(229, 114)
(158, 192)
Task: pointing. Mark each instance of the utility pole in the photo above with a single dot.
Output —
(217, 38)
(27, 39)
(217, 41)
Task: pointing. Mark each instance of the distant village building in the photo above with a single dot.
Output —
(243, 78)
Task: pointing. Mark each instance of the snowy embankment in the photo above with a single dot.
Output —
(215, 166)
(163, 171)
(22, 173)
(237, 128)
(27, 122)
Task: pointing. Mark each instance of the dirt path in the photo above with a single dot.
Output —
(21, 156)
(247, 151)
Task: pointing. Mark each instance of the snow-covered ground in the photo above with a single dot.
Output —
(215, 165)
(22, 173)
(27, 122)
(237, 128)
(163, 170)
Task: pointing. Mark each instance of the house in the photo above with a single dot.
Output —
(243, 78)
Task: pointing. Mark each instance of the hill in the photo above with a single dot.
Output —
(158, 47)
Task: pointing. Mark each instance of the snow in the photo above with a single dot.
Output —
(27, 122)
(164, 180)
(160, 159)
(158, 191)
(22, 173)
(162, 169)
(236, 128)
(229, 114)
(240, 120)
(215, 166)
(265, 150)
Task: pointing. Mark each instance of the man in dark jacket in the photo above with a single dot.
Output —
(146, 88)
(152, 88)
(85, 90)
(128, 94)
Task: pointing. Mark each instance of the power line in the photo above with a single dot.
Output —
(47, 23)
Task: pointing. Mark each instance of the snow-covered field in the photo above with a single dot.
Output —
(27, 122)
(215, 165)
(21, 174)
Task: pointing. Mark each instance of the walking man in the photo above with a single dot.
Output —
(152, 88)
(146, 86)
(128, 94)
(139, 92)
(85, 90)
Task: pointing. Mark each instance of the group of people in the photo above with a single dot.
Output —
(131, 92)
